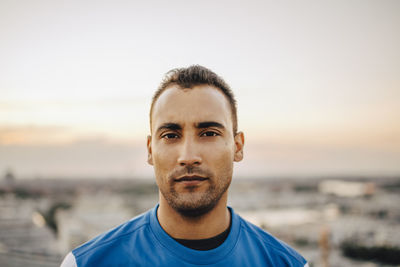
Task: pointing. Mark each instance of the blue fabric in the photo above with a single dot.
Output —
(142, 242)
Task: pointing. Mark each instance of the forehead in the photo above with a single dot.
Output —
(191, 105)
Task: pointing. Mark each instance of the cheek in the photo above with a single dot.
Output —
(159, 151)
(163, 161)
(221, 158)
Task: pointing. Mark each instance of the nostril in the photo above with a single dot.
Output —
(189, 163)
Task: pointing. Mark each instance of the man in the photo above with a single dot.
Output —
(193, 144)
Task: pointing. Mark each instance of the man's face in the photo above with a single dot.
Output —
(192, 147)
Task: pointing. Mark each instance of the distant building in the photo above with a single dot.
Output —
(9, 178)
(90, 216)
(346, 188)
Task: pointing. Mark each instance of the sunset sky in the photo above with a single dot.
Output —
(317, 82)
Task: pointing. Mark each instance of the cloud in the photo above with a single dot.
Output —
(91, 157)
(33, 134)
(318, 159)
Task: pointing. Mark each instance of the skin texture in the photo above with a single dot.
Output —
(192, 149)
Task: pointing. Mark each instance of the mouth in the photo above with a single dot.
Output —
(192, 178)
(191, 181)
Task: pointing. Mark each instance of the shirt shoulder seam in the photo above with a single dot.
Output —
(274, 246)
(108, 241)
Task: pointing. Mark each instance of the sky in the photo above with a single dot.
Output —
(317, 83)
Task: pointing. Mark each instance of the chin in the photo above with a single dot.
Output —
(193, 211)
(193, 205)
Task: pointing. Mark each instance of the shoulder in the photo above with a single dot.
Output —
(69, 261)
(118, 235)
(276, 249)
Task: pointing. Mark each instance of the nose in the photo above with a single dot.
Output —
(189, 153)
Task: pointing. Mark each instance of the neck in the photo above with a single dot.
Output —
(206, 226)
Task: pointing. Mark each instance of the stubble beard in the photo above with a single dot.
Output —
(192, 204)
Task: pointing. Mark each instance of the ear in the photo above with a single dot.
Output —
(149, 152)
(239, 143)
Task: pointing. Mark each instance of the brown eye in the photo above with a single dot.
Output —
(209, 134)
(170, 136)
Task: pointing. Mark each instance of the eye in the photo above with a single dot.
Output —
(170, 136)
(209, 134)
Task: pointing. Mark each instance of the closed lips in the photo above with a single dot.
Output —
(190, 178)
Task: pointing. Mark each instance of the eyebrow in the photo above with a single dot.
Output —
(200, 125)
(169, 126)
(207, 124)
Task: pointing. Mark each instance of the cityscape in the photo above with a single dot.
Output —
(346, 221)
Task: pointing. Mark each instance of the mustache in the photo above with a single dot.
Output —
(189, 170)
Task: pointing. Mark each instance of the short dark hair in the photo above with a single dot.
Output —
(192, 76)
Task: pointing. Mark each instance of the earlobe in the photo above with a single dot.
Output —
(239, 143)
(149, 152)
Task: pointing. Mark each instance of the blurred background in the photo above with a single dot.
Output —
(318, 91)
